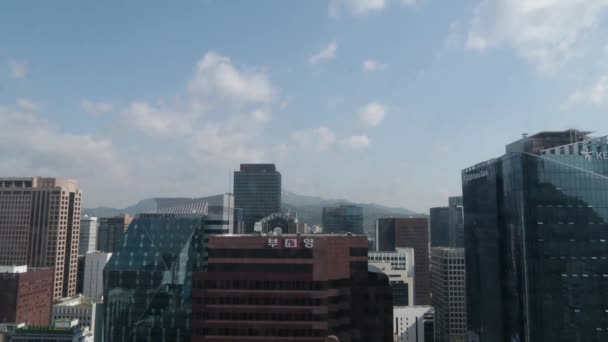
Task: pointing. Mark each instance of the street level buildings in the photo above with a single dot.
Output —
(343, 219)
(76, 308)
(40, 227)
(26, 295)
(412, 232)
(257, 192)
(61, 331)
(448, 288)
(536, 232)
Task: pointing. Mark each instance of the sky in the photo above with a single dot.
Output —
(381, 101)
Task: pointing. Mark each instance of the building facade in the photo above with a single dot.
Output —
(413, 233)
(93, 274)
(439, 220)
(75, 308)
(26, 295)
(297, 287)
(148, 280)
(342, 219)
(40, 227)
(257, 191)
(414, 324)
(456, 226)
(62, 331)
(536, 226)
(448, 289)
(111, 231)
(399, 267)
(88, 235)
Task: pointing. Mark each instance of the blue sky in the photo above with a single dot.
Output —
(371, 100)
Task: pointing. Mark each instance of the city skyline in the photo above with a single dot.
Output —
(326, 90)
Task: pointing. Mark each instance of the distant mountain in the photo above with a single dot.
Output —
(308, 208)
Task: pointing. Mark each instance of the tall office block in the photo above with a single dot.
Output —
(456, 222)
(440, 226)
(88, 235)
(257, 191)
(300, 287)
(399, 267)
(111, 231)
(26, 295)
(410, 232)
(448, 288)
(148, 280)
(343, 219)
(536, 226)
(40, 227)
(93, 274)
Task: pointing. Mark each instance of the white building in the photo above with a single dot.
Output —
(399, 267)
(75, 308)
(88, 235)
(414, 324)
(94, 263)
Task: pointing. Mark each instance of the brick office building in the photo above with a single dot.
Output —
(290, 287)
(26, 295)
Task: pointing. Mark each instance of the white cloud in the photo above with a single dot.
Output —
(317, 139)
(96, 108)
(19, 69)
(160, 121)
(28, 105)
(355, 142)
(261, 115)
(371, 65)
(216, 78)
(372, 114)
(545, 32)
(325, 54)
(360, 7)
(596, 94)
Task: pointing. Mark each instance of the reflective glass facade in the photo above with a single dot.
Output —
(536, 231)
(440, 226)
(343, 219)
(148, 280)
(257, 192)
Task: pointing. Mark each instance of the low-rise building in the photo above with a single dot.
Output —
(26, 295)
(76, 308)
(62, 331)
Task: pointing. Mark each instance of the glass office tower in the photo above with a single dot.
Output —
(536, 226)
(257, 192)
(440, 226)
(342, 219)
(148, 280)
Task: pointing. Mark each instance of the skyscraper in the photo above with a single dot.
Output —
(111, 231)
(88, 235)
(448, 288)
(410, 232)
(257, 191)
(456, 218)
(40, 227)
(343, 219)
(536, 227)
(440, 226)
(93, 274)
(148, 279)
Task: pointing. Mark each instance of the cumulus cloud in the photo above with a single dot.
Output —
(544, 32)
(19, 69)
(261, 115)
(596, 94)
(317, 139)
(158, 120)
(216, 77)
(226, 142)
(27, 105)
(96, 108)
(360, 7)
(371, 65)
(355, 142)
(327, 53)
(372, 114)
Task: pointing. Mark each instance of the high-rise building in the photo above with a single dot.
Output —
(439, 220)
(448, 289)
(257, 191)
(536, 227)
(399, 267)
(412, 232)
(111, 231)
(88, 235)
(414, 324)
(76, 308)
(218, 210)
(26, 295)
(40, 227)
(148, 279)
(456, 226)
(301, 287)
(343, 219)
(80, 274)
(93, 274)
